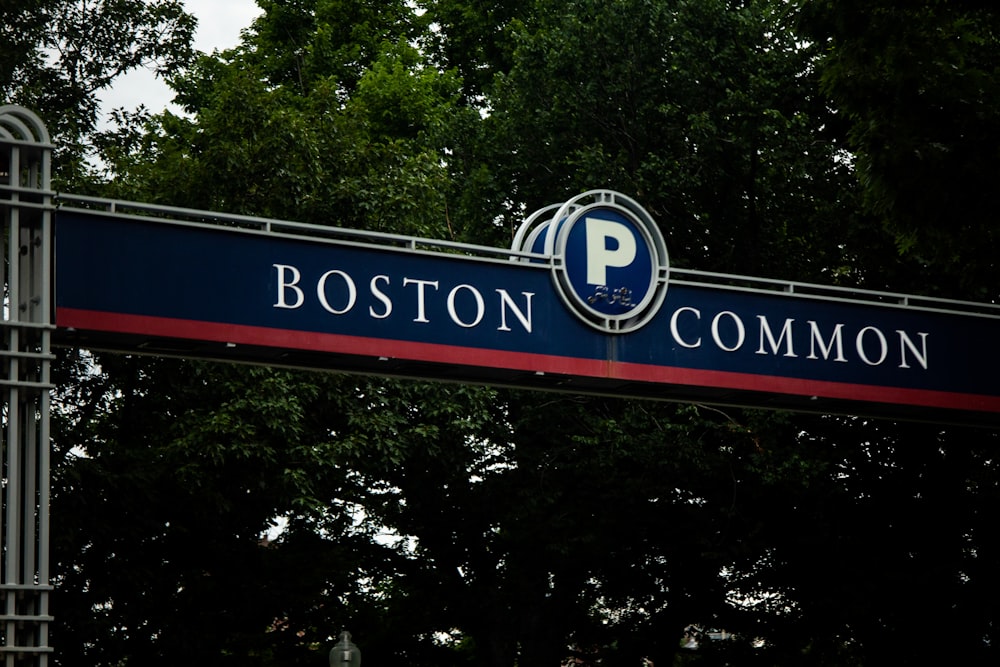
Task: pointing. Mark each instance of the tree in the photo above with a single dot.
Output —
(476, 39)
(711, 117)
(915, 87)
(57, 55)
(163, 504)
(228, 453)
(457, 525)
(362, 154)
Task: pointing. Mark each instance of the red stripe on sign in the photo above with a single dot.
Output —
(772, 384)
(143, 325)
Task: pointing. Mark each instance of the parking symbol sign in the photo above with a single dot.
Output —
(602, 255)
(608, 258)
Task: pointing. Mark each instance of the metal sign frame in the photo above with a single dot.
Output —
(204, 284)
(26, 202)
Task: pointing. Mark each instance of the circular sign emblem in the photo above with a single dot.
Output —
(609, 260)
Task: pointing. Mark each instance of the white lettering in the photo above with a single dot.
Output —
(505, 301)
(728, 330)
(676, 333)
(906, 342)
(740, 331)
(786, 335)
(480, 306)
(381, 296)
(352, 292)
(599, 256)
(816, 337)
(421, 301)
(860, 344)
(284, 284)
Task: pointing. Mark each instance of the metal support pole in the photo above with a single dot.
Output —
(26, 207)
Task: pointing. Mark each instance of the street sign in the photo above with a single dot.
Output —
(597, 311)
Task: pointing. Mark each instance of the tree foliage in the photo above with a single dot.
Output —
(454, 525)
(57, 55)
(707, 111)
(916, 86)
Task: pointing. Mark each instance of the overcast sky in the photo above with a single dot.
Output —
(219, 25)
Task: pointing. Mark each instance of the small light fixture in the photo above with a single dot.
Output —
(345, 653)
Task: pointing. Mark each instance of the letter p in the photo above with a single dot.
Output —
(600, 256)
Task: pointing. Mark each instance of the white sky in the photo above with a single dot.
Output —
(219, 26)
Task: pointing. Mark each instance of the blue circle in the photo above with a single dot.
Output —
(627, 279)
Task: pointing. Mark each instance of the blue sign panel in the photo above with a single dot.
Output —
(207, 290)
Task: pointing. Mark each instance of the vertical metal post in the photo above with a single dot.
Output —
(26, 207)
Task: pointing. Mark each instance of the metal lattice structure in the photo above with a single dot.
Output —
(27, 207)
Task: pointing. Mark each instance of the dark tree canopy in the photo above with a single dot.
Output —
(916, 85)
(234, 515)
(57, 55)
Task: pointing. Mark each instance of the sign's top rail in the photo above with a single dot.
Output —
(313, 232)
(834, 293)
(246, 223)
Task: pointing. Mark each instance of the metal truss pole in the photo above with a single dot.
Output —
(26, 206)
